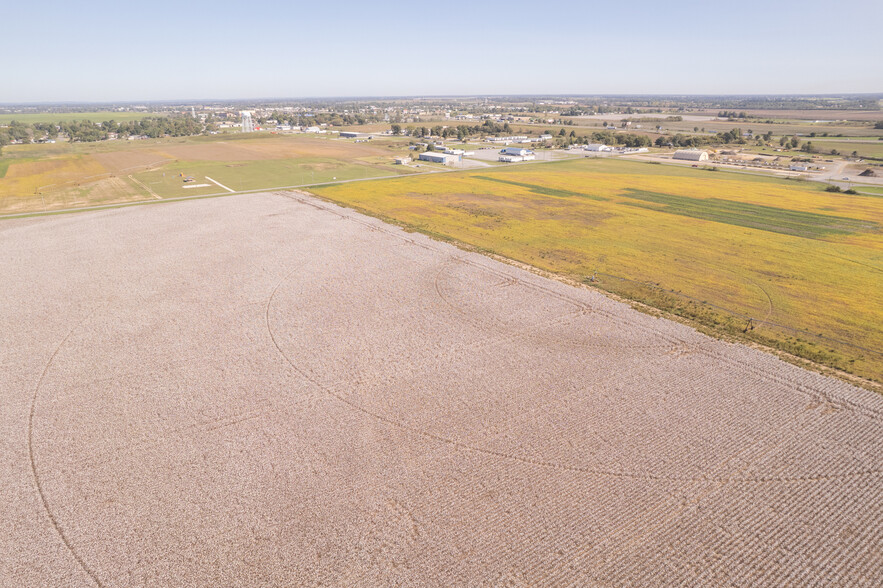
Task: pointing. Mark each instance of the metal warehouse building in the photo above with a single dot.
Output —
(443, 158)
(691, 155)
(517, 151)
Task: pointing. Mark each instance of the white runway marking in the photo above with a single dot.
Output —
(199, 186)
(220, 184)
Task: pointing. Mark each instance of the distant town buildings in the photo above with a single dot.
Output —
(507, 140)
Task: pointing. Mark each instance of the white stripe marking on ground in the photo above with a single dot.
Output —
(220, 184)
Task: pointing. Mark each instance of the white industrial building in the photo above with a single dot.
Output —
(597, 147)
(691, 155)
(507, 140)
(514, 154)
(519, 151)
(442, 158)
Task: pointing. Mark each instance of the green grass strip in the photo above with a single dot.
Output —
(537, 189)
(809, 225)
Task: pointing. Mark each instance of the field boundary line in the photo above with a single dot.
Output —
(597, 470)
(143, 185)
(348, 212)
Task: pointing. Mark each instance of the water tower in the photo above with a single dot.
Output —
(247, 123)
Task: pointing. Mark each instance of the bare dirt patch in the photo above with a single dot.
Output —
(117, 161)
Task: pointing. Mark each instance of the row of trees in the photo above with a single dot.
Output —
(725, 137)
(336, 119)
(87, 131)
(488, 127)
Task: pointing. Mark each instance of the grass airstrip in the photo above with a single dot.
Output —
(778, 261)
(57, 176)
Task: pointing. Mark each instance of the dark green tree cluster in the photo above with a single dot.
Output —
(679, 140)
(88, 131)
(157, 126)
(335, 119)
(488, 127)
(607, 138)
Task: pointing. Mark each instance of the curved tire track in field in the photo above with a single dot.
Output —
(807, 390)
(509, 456)
(666, 344)
(53, 518)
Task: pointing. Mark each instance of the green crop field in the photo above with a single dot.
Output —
(254, 175)
(864, 149)
(804, 265)
(49, 177)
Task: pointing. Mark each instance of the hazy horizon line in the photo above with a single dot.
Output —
(170, 101)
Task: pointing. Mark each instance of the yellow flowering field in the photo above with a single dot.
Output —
(779, 261)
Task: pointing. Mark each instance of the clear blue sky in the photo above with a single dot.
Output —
(120, 51)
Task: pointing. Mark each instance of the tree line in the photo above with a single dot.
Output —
(89, 131)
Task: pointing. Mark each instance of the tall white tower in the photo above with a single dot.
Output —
(247, 123)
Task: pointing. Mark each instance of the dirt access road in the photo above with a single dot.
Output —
(268, 390)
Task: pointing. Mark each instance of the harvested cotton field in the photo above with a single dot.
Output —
(270, 390)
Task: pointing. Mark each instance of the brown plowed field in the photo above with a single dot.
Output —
(269, 390)
(270, 148)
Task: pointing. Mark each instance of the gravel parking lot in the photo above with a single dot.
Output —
(270, 390)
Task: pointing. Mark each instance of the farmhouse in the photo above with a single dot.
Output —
(442, 158)
(691, 155)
